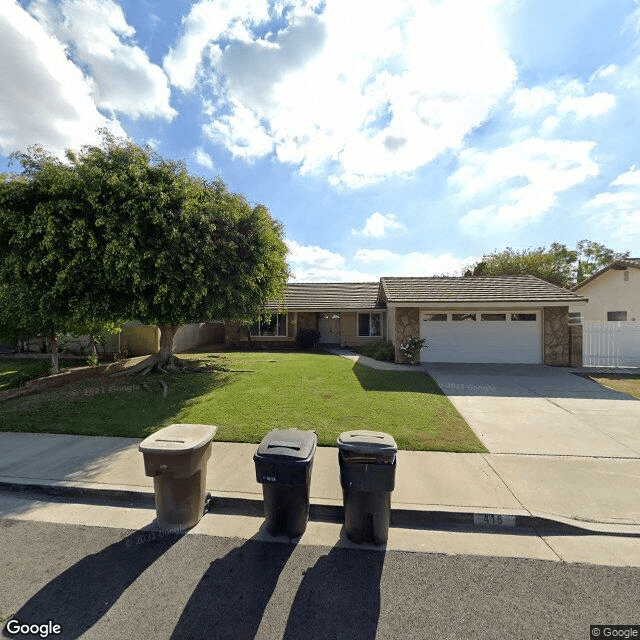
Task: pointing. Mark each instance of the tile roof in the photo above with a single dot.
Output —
(481, 289)
(327, 296)
(634, 263)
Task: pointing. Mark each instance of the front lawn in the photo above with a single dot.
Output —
(14, 372)
(625, 383)
(259, 392)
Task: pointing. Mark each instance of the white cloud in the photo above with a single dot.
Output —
(241, 133)
(521, 180)
(311, 263)
(561, 101)
(413, 263)
(314, 255)
(377, 224)
(530, 101)
(587, 106)
(324, 94)
(45, 98)
(616, 212)
(207, 22)
(629, 178)
(319, 274)
(374, 255)
(123, 79)
(203, 158)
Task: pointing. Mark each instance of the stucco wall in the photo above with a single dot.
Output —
(349, 330)
(407, 325)
(556, 336)
(140, 340)
(610, 292)
(190, 336)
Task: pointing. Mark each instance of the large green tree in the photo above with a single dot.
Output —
(50, 276)
(558, 264)
(178, 249)
(119, 232)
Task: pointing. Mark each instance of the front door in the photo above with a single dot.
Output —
(329, 328)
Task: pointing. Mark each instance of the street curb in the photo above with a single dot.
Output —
(237, 504)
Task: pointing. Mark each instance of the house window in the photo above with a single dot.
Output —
(274, 324)
(369, 324)
(435, 317)
(523, 317)
(616, 316)
(493, 317)
(463, 317)
(575, 317)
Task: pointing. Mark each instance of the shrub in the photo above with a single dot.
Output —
(307, 338)
(411, 350)
(383, 350)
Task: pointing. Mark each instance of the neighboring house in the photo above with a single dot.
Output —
(613, 293)
(519, 319)
(346, 314)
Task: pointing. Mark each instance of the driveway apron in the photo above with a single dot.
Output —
(536, 409)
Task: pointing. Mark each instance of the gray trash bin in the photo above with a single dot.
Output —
(367, 475)
(284, 461)
(176, 458)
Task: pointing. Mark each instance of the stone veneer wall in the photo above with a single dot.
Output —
(407, 326)
(556, 336)
(575, 337)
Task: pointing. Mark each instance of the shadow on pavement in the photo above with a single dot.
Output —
(339, 597)
(232, 595)
(376, 380)
(78, 597)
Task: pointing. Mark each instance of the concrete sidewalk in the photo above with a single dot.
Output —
(432, 489)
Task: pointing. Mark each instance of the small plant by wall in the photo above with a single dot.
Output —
(411, 349)
(383, 350)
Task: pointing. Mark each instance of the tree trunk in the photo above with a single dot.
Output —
(53, 345)
(167, 335)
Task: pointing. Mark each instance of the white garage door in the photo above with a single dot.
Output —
(481, 336)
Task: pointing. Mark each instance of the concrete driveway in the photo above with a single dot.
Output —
(536, 409)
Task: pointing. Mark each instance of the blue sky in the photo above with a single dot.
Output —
(404, 138)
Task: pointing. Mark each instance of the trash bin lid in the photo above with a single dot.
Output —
(296, 444)
(367, 442)
(178, 438)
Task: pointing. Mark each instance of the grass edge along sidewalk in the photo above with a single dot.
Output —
(252, 393)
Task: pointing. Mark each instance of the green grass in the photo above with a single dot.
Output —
(624, 383)
(14, 372)
(262, 391)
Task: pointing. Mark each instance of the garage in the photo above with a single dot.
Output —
(474, 335)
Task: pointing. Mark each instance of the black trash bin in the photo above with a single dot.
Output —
(283, 462)
(367, 475)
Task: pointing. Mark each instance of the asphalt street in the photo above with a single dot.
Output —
(99, 582)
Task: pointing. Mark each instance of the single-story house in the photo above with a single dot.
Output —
(613, 293)
(510, 319)
(344, 313)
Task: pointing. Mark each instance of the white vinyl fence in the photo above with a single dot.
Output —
(611, 344)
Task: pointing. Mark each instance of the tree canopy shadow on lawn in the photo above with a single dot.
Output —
(126, 407)
(377, 380)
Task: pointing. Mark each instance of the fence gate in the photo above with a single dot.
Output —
(611, 344)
